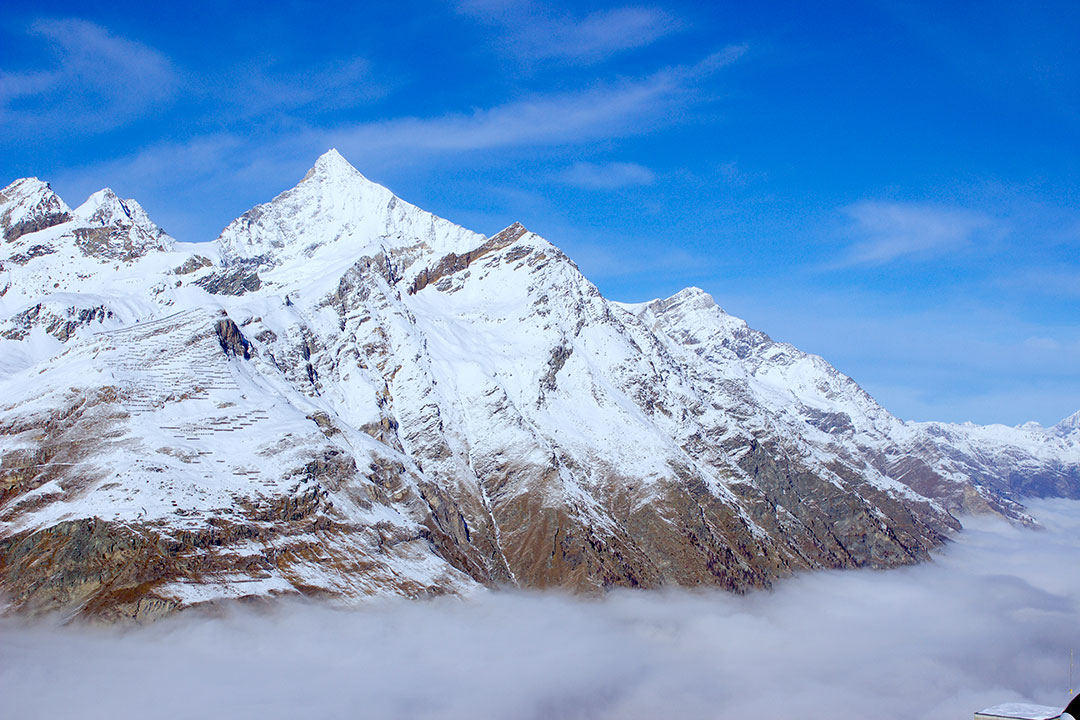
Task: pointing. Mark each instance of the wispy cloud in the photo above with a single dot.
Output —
(606, 176)
(543, 120)
(534, 31)
(1042, 344)
(263, 89)
(253, 165)
(99, 81)
(630, 107)
(885, 232)
(605, 111)
(602, 34)
(1060, 280)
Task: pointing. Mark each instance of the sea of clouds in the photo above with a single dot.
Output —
(992, 619)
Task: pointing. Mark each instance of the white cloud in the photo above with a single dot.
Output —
(263, 89)
(991, 620)
(233, 171)
(541, 120)
(630, 107)
(1042, 344)
(1054, 280)
(603, 33)
(626, 108)
(226, 161)
(890, 231)
(607, 176)
(532, 31)
(100, 81)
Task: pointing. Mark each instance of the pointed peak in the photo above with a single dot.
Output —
(106, 198)
(332, 156)
(332, 165)
(335, 205)
(29, 191)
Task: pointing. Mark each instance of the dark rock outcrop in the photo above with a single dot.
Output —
(453, 263)
(237, 281)
(232, 341)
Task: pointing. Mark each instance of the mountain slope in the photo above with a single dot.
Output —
(347, 396)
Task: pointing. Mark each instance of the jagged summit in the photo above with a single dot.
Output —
(112, 227)
(1070, 424)
(29, 205)
(24, 188)
(38, 224)
(105, 207)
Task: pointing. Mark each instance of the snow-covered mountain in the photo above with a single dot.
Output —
(347, 396)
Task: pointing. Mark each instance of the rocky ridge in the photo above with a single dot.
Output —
(346, 396)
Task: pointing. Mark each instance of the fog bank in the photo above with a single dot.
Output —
(991, 620)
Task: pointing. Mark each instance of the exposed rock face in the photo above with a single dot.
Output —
(192, 264)
(236, 281)
(233, 342)
(423, 410)
(30, 205)
(31, 253)
(61, 325)
(452, 263)
(112, 228)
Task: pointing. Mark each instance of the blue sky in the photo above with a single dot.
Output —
(892, 185)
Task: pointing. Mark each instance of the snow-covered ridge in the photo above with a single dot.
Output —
(1069, 425)
(346, 395)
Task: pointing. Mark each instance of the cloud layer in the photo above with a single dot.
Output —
(991, 620)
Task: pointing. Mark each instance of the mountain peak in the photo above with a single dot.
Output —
(1069, 424)
(105, 207)
(332, 157)
(690, 297)
(24, 188)
(335, 205)
(331, 165)
(104, 196)
(28, 205)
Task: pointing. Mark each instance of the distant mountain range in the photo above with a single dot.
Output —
(346, 396)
